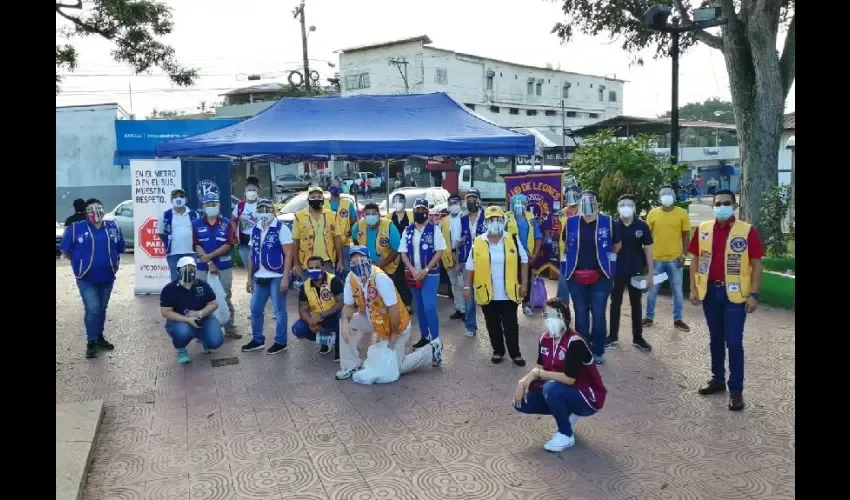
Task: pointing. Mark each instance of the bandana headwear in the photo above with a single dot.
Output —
(363, 268)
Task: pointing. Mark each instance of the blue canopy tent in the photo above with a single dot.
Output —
(357, 128)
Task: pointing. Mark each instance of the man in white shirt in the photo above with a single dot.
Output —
(174, 228)
(421, 249)
(455, 272)
(245, 217)
(269, 266)
(372, 306)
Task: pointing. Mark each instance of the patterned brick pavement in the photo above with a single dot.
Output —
(280, 427)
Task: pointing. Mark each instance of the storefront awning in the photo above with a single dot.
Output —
(137, 139)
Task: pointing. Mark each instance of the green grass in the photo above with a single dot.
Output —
(776, 290)
(780, 264)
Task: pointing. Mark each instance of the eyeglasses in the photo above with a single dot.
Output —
(723, 203)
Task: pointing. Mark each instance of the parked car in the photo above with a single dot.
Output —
(290, 182)
(361, 204)
(438, 199)
(286, 214)
(60, 231)
(122, 214)
(374, 179)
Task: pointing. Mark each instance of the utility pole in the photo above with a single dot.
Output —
(674, 104)
(563, 136)
(398, 63)
(299, 14)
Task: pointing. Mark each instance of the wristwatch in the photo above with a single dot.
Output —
(755, 295)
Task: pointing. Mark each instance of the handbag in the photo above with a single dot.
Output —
(411, 281)
(538, 293)
(263, 281)
(586, 276)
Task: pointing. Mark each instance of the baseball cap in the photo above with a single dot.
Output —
(473, 192)
(358, 249)
(494, 211)
(209, 198)
(175, 192)
(186, 261)
(314, 189)
(420, 202)
(264, 203)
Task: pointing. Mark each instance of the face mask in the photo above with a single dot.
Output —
(334, 190)
(419, 217)
(251, 195)
(519, 210)
(316, 204)
(454, 209)
(398, 206)
(265, 218)
(187, 275)
(94, 213)
(371, 219)
(724, 212)
(472, 206)
(178, 202)
(555, 326)
(495, 227)
(667, 200)
(362, 269)
(314, 274)
(211, 211)
(626, 212)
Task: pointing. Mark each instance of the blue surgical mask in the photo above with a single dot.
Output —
(371, 219)
(334, 190)
(724, 212)
(211, 211)
(362, 269)
(314, 274)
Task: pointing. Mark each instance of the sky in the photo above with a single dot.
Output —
(226, 40)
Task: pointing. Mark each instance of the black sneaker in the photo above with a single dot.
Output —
(91, 350)
(322, 350)
(736, 401)
(274, 349)
(252, 346)
(422, 343)
(712, 387)
(519, 361)
(646, 323)
(681, 326)
(457, 315)
(611, 343)
(104, 345)
(642, 345)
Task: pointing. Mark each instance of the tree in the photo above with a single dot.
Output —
(759, 76)
(712, 110)
(611, 167)
(134, 26)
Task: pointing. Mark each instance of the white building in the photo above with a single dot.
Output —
(509, 94)
(85, 147)
(786, 153)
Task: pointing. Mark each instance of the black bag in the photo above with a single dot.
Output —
(264, 281)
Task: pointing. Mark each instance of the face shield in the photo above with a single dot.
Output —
(571, 198)
(588, 205)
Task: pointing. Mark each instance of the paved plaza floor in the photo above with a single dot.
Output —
(280, 427)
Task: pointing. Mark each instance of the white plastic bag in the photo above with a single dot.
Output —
(222, 314)
(380, 367)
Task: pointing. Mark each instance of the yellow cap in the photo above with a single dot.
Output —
(494, 211)
(314, 189)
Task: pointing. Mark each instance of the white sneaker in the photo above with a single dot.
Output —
(344, 374)
(573, 421)
(528, 311)
(437, 356)
(469, 334)
(559, 442)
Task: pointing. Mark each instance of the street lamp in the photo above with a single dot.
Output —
(656, 19)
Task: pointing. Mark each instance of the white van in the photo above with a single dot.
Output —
(496, 190)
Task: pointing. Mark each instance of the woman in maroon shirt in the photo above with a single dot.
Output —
(565, 383)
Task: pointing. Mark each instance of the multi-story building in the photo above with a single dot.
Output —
(509, 94)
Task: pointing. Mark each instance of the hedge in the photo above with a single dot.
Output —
(777, 290)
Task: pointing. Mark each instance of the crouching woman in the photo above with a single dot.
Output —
(565, 383)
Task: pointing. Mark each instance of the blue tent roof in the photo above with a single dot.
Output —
(358, 127)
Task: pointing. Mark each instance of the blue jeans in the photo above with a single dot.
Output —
(172, 263)
(563, 289)
(302, 331)
(591, 300)
(210, 333)
(425, 299)
(95, 300)
(471, 321)
(558, 400)
(244, 254)
(726, 330)
(346, 263)
(259, 297)
(674, 275)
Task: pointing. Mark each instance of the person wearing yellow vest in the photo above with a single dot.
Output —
(450, 226)
(316, 232)
(571, 196)
(319, 306)
(346, 212)
(373, 305)
(521, 222)
(726, 272)
(497, 271)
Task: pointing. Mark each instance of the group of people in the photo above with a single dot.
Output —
(362, 277)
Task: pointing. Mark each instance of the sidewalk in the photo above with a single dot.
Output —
(280, 427)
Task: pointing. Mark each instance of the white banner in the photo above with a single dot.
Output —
(153, 181)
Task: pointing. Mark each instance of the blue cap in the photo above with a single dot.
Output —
(420, 202)
(264, 203)
(473, 192)
(358, 249)
(209, 198)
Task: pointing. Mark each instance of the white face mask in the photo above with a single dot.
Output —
(251, 195)
(178, 202)
(398, 206)
(667, 200)
(211, 211)
(626, 212)
(495, 226)
(454, 209)
(555, 326)
(265, 218)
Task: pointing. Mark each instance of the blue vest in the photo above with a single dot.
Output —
(466, 237)
(268, 252)
(85, 254)
(426, 246)
(213, 238)
(166, 226)
(604, 246)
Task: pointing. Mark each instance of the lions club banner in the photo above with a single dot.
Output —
(543, 190)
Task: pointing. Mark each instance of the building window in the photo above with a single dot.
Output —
(489, 83)
(591, 85)
(441, 75)
(357, 81)
(500, 74)
(593, 115)
(531, 112)
(470, 106)
(530, 88)
(612, 96)
(550, 112)
(494, 109)
(513, 111)
(571, 114)
(540, 88)
(566, 91)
